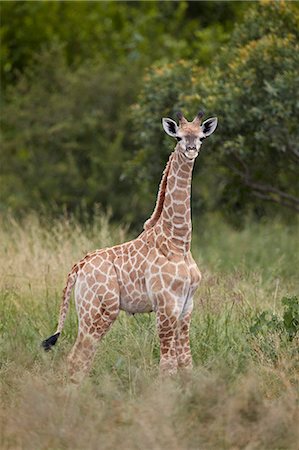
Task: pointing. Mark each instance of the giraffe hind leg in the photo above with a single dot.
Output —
(83, 352)
(96, 316)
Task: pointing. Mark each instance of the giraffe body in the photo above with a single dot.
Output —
(137, 269)
(154, 272)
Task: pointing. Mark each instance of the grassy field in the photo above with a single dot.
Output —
(243, 392)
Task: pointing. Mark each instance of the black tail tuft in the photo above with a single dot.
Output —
(48, 343)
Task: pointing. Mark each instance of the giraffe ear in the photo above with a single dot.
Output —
(170, 127)
(209, 126)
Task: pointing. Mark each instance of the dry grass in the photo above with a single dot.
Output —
(243, 393)
(206, 411)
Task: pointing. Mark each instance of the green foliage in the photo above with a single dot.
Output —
(65, 134)
(291, 316)
(127, 32)
(255, 96)
(273, 333)
(114, 31)
(70, 72)
(252, 88)
(269, 322)
(268, 18)
(68, 138)
(265, 322)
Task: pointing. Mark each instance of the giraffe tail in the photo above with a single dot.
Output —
(71, 279)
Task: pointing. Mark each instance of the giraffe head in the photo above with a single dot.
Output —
(189, 134)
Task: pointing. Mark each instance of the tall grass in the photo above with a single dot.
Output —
(242, 394)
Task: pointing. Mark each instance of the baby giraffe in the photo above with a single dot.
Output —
(154, 272)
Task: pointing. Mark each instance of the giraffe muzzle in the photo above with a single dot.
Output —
(191, 153)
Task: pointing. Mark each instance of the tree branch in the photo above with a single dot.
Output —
(264, 191)
(270, 189)
(275, 200)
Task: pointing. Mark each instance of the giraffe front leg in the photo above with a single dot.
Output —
(167, 336)
(183, 351)
(167, 322)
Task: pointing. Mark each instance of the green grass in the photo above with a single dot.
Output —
(242, 394)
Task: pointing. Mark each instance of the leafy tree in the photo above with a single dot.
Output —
(251, 87)
(255, 93)
(135, 32)
(64, 134)
(126, 32)
(70, 71)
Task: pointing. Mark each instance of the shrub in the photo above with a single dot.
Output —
(253, 157)
(64, 134)
(273, 332)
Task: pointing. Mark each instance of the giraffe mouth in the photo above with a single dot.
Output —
(191, 154)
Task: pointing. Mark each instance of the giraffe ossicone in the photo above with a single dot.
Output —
(153, 273)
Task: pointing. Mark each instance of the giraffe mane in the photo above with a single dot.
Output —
(160, 198)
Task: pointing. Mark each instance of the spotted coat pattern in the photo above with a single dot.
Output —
(154, 272)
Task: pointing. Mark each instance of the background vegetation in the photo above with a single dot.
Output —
(83, 88)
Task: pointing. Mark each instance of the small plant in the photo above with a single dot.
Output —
(272, 335)
(291, 316)
(267, 322)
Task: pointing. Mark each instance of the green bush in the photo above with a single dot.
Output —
(67, 134)
(136, 33)
(70, 72)
(127, 32)
(252, 159)
(255, 94)
(272, 332)
(64, 134)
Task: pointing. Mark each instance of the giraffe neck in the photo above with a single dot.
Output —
(160, 198)
(175, 218)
